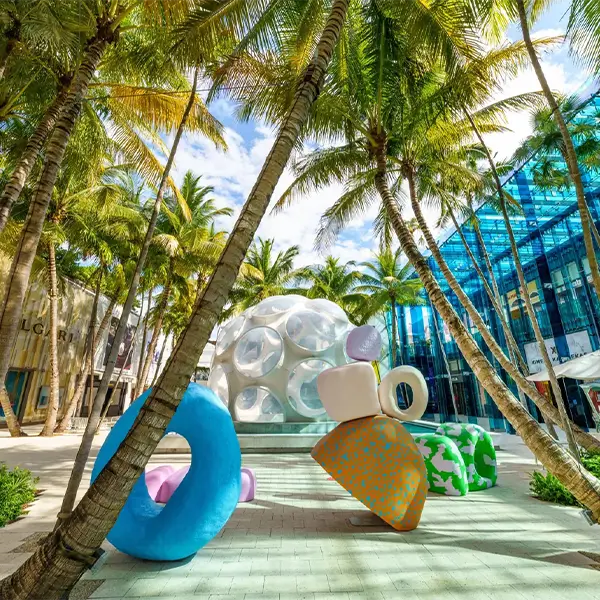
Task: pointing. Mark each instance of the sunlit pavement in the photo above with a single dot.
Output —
(295, 540)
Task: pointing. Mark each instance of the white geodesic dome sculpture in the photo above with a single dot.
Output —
(267, 360)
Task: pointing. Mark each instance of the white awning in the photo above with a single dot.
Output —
(586, 368)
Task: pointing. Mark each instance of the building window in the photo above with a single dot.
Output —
(44, 397)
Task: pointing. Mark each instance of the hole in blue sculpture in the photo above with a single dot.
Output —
(164, 471)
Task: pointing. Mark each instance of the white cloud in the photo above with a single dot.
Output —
(233, 173)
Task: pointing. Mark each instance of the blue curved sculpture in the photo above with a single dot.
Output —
(204, 500)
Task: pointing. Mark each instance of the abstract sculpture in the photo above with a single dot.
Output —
(372, 455)
(205, 498)
(446, 472)
(477, 449)
(267, 360)
(164, 480)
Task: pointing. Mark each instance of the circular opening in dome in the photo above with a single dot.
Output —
(229, 333)
(276, 305)
(258, 405)
(311, 331)
(217, 382)
(258, 352)
(302, 387)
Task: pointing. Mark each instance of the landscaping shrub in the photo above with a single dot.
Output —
(547, 487)
(17, 488)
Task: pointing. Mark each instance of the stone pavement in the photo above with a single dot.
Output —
(295, 541)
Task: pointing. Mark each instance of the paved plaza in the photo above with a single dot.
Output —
(296, 542)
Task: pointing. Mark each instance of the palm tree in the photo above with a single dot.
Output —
(264, 274)
(337, 282)
(105, 224)
(389, 284)
(582, 13)
(185, 248)
(128, 114)
(437, 31)
(212, 128)
(544, 148)
(106, 31)
(389, 135)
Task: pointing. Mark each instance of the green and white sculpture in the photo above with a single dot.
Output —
(446, 471)
(477, 449)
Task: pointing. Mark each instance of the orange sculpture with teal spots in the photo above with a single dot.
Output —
(371, 454)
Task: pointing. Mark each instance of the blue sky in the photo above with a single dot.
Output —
(233, 173)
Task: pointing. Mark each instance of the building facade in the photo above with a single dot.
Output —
(549, 236)
(28, 379)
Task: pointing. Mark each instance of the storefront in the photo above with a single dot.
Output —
(28, 380)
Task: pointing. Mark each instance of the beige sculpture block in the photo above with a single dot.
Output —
(349, 392)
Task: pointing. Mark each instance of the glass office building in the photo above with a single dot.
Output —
(548, 232)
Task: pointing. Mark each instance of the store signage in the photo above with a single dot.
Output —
(38, 328)
(579, 345)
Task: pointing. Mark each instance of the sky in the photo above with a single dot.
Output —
(233, 173)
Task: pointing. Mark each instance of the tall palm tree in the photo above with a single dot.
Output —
(126, 110)
(265, 274)
(108, 23)
(436, 29)
(582, 13)
(185, 248)
(389, 135)
(213, 129)
(390, 284)
(337, 282)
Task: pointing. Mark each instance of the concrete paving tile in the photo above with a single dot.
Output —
(265, 567)
(113, 588)
(344, 583)
(233, 569)
(280, 584)
(252, 584)
(376, 582)
(312, 583)
(147, 587)
(213, 585)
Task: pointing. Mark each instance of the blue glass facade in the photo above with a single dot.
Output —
(548, 232)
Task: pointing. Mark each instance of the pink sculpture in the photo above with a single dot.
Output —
(156, 477)
(167, 489)
(164, 480)
(248, 485)
(364, 343)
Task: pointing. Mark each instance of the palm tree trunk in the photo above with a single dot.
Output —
(516, 353)
(394, 335)
(161, 309)
(96, 407)
(569, 148)
(50, 571)
(74, 406)
(115, 386)
(138, 385)
(582, 484)
(564, 419)
(49, 424)
(494, 296)
(15, 184)
(160, 360)
(446, 364)
(18, 278)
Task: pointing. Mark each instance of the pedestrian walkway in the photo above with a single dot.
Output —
(296, 542)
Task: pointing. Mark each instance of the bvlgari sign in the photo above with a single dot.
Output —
(38, 328)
